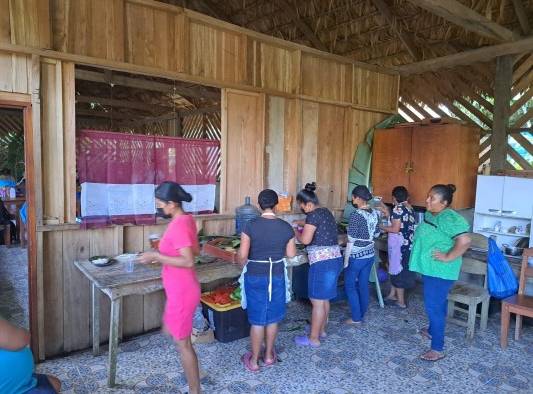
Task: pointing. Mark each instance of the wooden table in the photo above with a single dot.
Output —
(116, 283)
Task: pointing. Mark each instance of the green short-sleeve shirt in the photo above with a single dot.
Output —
(437, 233)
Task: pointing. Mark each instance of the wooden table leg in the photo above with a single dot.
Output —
(96, 320)
(113, 341)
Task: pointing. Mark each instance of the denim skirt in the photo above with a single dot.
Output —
(323, 278)
(261, 311)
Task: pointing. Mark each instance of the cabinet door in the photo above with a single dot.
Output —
(489, 194)
(518, 197)
(444, 154)
(391, 154)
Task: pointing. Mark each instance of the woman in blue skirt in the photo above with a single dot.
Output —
(265, 242)
(325, 259)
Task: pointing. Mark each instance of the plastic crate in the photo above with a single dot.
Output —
(229, 324)
(211, 248)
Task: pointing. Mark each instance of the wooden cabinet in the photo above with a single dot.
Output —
(420, 156)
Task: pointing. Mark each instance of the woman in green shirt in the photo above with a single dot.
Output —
(439, 243)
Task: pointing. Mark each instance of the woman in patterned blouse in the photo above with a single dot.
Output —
(400, 243)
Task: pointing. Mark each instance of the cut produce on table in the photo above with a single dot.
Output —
(221, 296)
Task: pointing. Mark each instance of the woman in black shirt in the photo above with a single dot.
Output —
(325, 259)
(265, 241)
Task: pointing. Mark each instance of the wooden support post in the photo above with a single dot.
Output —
(502, 103)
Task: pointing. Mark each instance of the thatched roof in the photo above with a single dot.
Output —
(372, 31)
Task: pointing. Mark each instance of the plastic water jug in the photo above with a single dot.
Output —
(244, 214)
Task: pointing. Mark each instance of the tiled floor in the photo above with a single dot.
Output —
(380, 357)
(14, 285)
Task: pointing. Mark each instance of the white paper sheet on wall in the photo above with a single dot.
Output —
(101, 199)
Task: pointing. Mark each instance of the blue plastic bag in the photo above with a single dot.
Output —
(501, 279)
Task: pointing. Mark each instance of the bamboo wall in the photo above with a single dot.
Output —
(290, 115)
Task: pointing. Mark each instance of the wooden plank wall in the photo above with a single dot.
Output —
(313, 142)
(243, 146)
(67, 293)
(174, 39)
(323, 103)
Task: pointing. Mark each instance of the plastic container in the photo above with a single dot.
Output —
(244, 214)
(228, 324)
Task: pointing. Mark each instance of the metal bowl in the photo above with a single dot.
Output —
(513, 250)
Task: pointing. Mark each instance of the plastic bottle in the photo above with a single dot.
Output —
(244, 214)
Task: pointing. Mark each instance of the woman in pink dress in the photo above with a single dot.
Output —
(177, 249)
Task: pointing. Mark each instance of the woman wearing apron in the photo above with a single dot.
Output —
(177, 249)
(400, 242)
(440, 242)
(359, 254)
(325, 259)
(265, 242)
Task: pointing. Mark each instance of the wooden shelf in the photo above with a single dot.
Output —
(480, 230)
(501, 216)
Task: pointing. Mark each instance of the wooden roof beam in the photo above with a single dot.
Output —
(466, 17)
(404, 37)
(483, 54)
(290, 10)
(123, 103)
(521, 14)
(141, 83)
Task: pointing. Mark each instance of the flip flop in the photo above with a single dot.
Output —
(439, 356)
(307, 330)
(246, 360)
(400, 306)
(303, 340)
(423, 332)
(269, 363)
(350, 322)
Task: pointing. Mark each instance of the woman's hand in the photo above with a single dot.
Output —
(300, 223)
(444, 257)
(148, 257)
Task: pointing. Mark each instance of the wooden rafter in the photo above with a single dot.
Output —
(518, 158)
(139, 83)
(469, 57)
(124, 103)
(214, 10)
(408, 112)
(523, 141)
(309, 34)
(404, 37)
(466, 17)
(528, 94)
(523, 119)
(522, 16)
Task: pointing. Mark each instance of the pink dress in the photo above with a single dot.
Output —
(181, 285)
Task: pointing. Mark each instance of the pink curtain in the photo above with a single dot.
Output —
(132, 159)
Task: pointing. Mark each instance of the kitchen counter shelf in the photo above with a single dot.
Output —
(481, 230)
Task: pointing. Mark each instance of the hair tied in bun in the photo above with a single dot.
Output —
(310, 187)
(307, 194)
(452, 188)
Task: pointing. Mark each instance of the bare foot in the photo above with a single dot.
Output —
(424, 333)
(432, 355)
